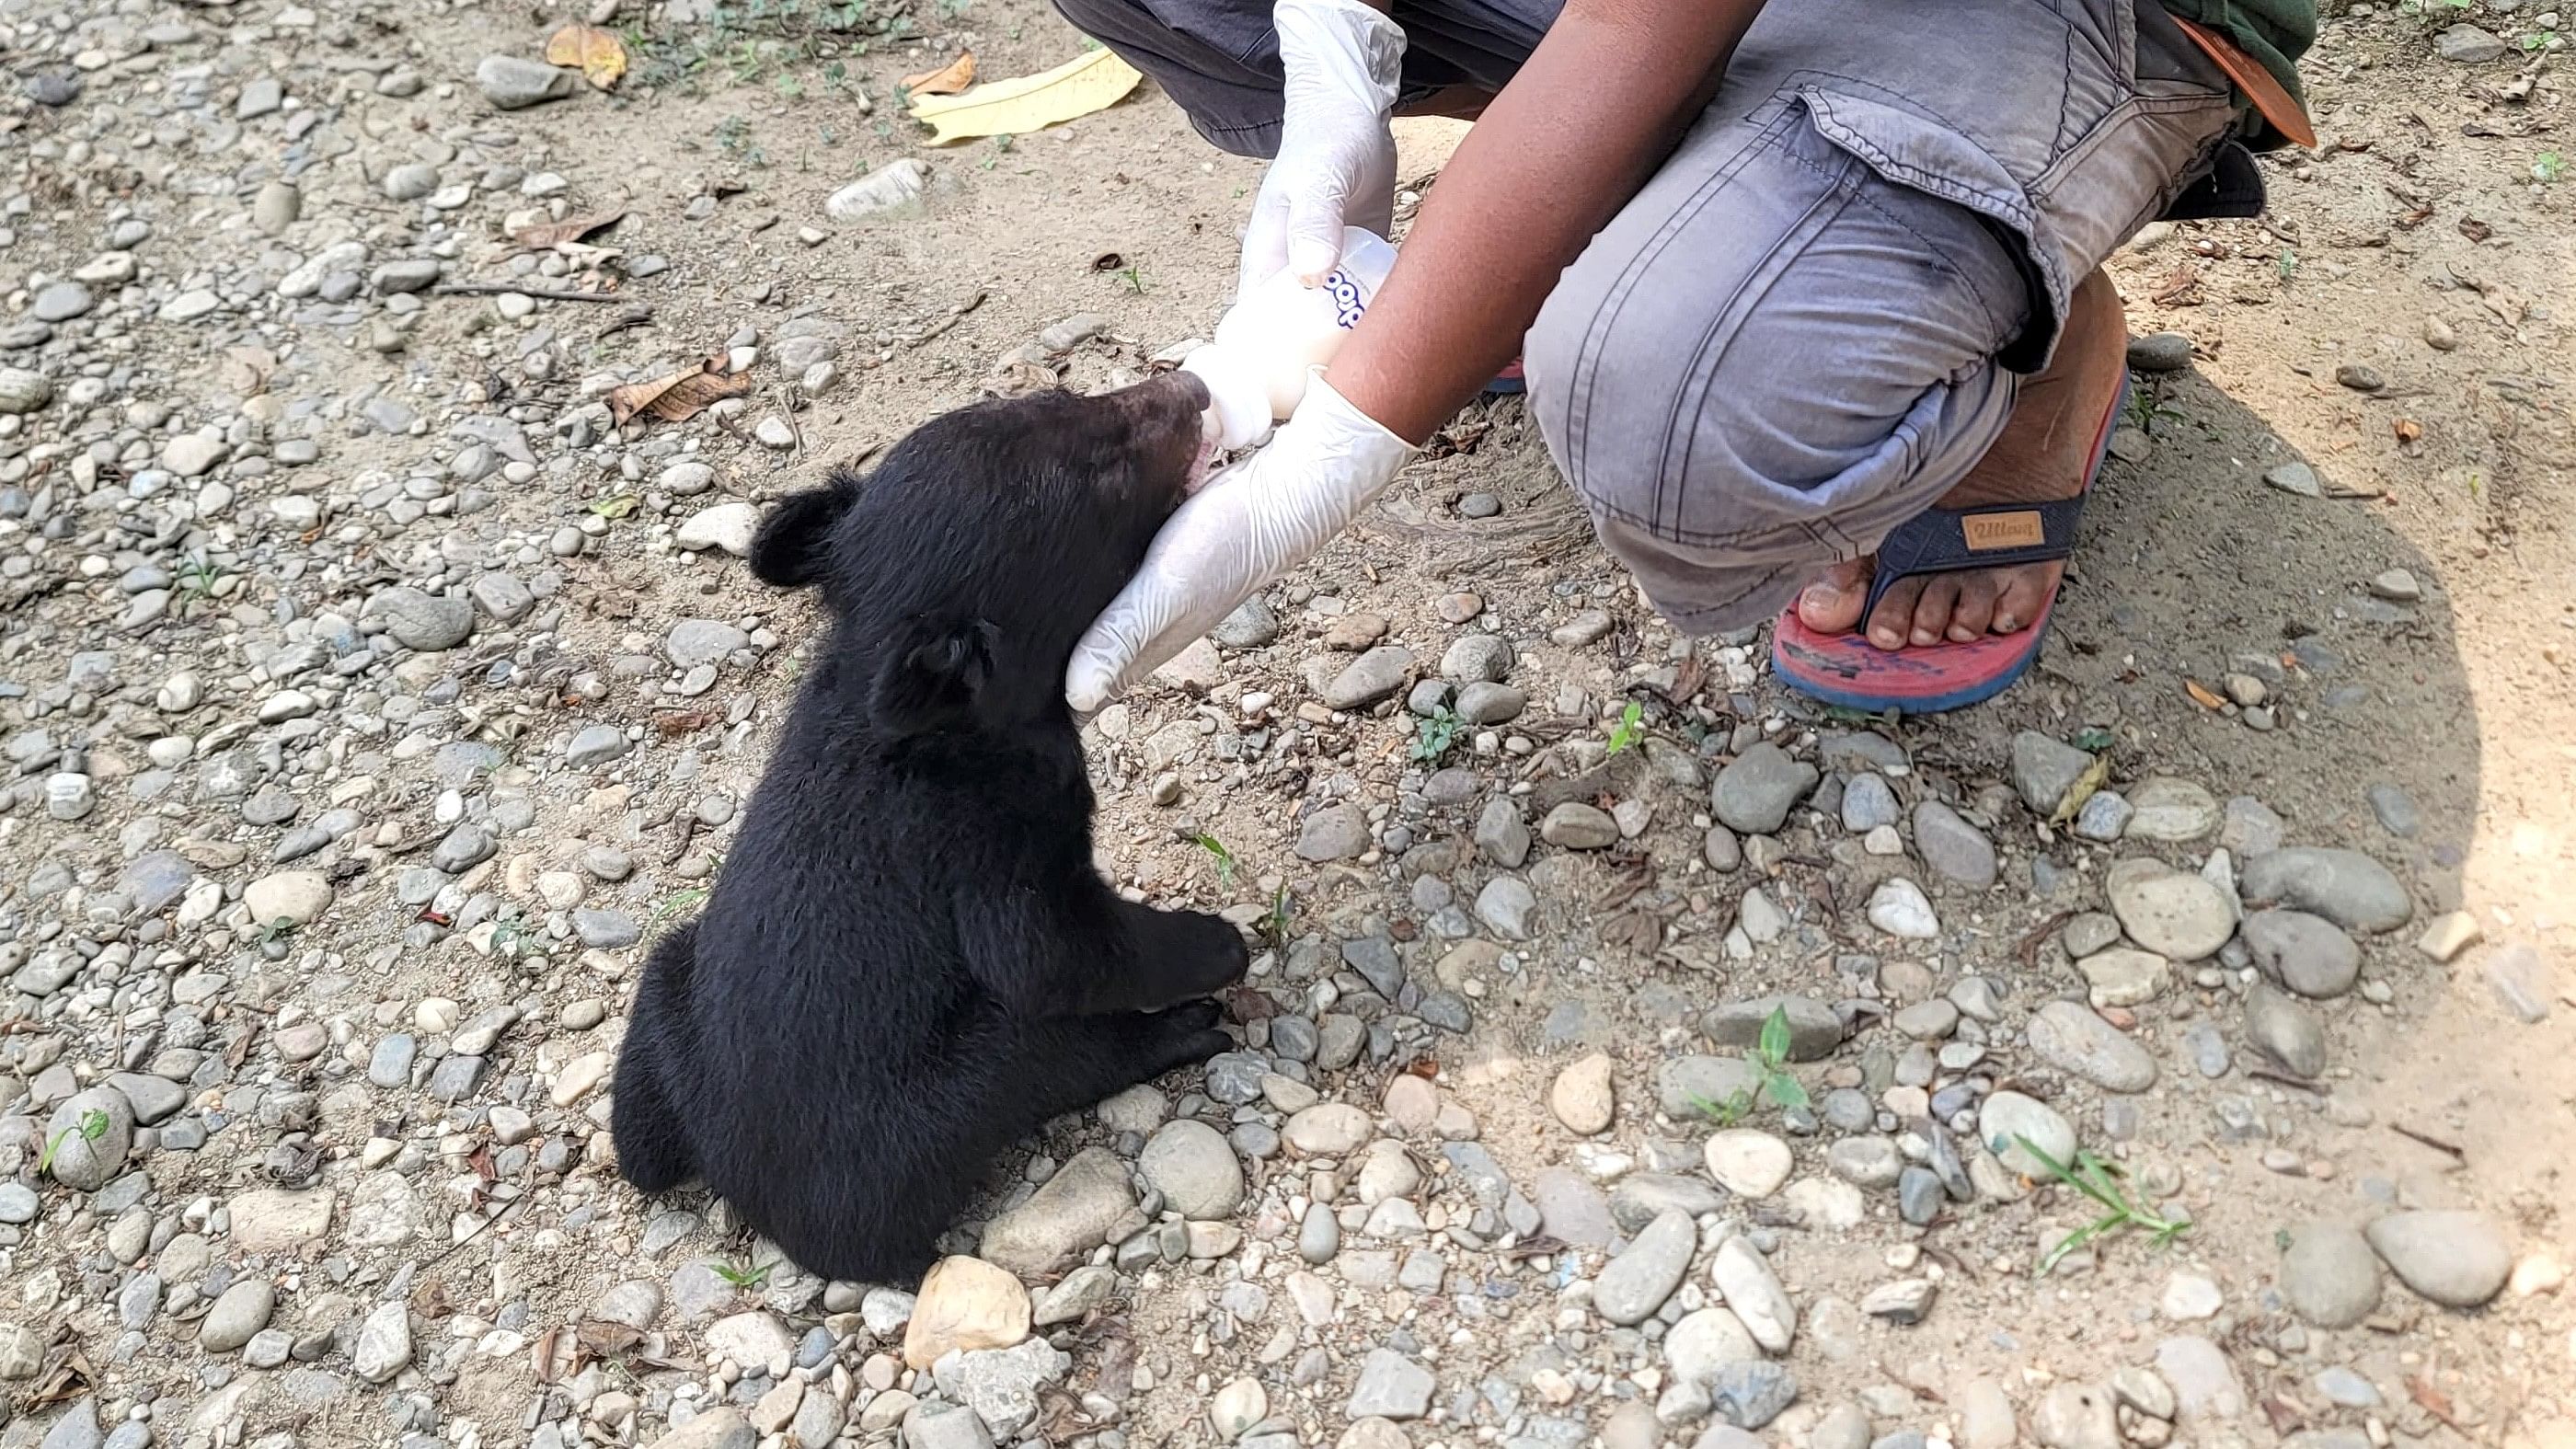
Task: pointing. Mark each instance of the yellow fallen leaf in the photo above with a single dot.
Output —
(2082, 790)
(1092, 81)
(2202, 695)
(948, 80)
(601, 56)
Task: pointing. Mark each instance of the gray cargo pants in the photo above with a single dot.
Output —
(1814, 319)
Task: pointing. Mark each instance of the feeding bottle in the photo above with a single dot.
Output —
(1269, 342)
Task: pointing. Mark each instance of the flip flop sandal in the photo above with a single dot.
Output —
(1509, 380)
(1848, 670)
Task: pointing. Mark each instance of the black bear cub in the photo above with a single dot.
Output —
(909, 961)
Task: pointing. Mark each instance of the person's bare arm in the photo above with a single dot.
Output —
(1595, 109)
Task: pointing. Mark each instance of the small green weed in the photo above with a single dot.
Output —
(1723, 1114)
(741, 41)
(616, 507)
(1224, 857)
(1630, 727)
(2146, 409)
(747, 1277)
(1274, 927)
(2098, 1180)
(688, 899)
(1771, 1054)
(1436, 735)
(1771, 1059)
(198, 577)
(2549, 166)
(91, 1127)
(733, 137)
(1134, 275)
(678, 901)
(2288, 265)
(511, 938)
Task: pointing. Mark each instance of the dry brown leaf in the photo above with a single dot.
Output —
(601, 56)
(679, 396)
(2201, 695)
(2408, 430)
(948, 80)
(2180, 288)
(548, 235)
(2421, 1389)
(605, 1338)
(246, 370)
(1060, 1418)
(1636, 930)
(429, 1299)
(1248, 1004)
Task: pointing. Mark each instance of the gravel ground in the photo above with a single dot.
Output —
(1633, 1052)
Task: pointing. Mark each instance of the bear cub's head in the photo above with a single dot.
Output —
(962, 569)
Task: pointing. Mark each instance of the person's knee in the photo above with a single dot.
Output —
(1098, 18)
(1216, 59)
(1728, 430)
(1729, 453)
(1766, 337)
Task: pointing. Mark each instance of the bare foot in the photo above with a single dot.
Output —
(2040, 458)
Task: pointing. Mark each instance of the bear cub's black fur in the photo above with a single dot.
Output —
(909, 961)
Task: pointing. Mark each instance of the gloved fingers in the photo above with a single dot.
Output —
(1265, 234)
(1314, 231)
(1110, 654)
(1250, 524)
(1208, 559)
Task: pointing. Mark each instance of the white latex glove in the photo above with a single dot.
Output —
(1251, 523)
(1336, 162)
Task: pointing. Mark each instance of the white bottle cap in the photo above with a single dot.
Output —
(1238, 413)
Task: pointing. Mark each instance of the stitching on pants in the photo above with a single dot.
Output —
(1698, 378)
(1579, 392)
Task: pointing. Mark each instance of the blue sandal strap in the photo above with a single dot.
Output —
(1948, 540)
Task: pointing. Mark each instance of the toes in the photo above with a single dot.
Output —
(2025, 592)
(1975, 610)
(1831, 605)
(1932, 611)
(1892, 621)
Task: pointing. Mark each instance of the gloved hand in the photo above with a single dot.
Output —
(1336, 162)
(1251, 523)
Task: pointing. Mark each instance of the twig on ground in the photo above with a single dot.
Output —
(2429, 1140)
(545, 294)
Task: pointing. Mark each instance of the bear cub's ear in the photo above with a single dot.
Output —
(793, 546)
(933, 673)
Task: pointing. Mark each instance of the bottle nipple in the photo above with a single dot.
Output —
(1239, 412)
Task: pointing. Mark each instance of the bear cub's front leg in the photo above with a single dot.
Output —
(1172, 957)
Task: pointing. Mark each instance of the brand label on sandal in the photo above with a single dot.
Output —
(2003, 530)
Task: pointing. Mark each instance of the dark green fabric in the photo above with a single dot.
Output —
(2274, 32)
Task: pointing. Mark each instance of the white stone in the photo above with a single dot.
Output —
(1899, 908)
(728, 526)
